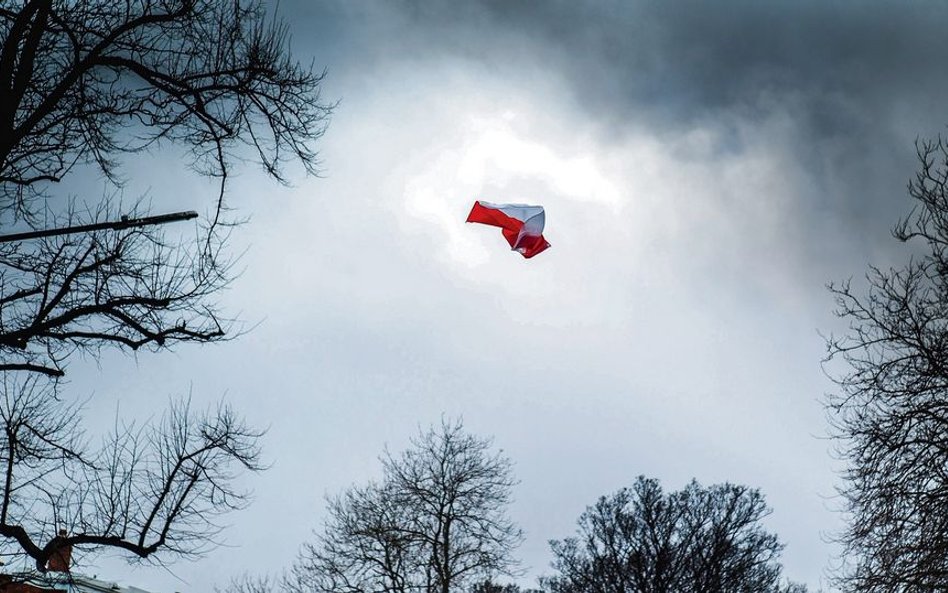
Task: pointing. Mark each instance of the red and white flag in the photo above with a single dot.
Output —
(522, 224)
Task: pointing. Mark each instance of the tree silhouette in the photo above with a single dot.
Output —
(83, 82)
(891, 411)
(436, 522)
(643, 540)
(82, 86)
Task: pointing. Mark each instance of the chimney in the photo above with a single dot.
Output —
(59, 559)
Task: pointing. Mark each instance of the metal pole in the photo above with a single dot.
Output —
(124, 223)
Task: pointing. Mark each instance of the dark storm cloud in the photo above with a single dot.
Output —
(841, 65)
(690, 60)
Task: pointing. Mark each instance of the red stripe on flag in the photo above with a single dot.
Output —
(494, 217)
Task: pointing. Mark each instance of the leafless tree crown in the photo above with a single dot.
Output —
(891, 410)
(435, 523)
(642, 540)
(83, 82)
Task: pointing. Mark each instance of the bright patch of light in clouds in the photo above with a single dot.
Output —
(498, 153)
(490, 154)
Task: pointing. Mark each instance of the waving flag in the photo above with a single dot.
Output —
(522, 224)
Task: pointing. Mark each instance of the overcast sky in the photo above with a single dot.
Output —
(706, 169)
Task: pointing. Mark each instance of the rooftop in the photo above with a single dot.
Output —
(72, 583)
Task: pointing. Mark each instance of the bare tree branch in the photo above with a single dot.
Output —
(128, 288)
(148, 492)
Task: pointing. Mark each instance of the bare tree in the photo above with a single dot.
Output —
(83, 83)
(435, 523)
(82, 86)
(891, 412)
(642, 540)
(152, 491)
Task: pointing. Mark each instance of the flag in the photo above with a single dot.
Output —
(522, 224)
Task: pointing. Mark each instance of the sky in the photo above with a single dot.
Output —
(706, 169)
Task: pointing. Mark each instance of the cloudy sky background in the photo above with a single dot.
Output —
(706, 168)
